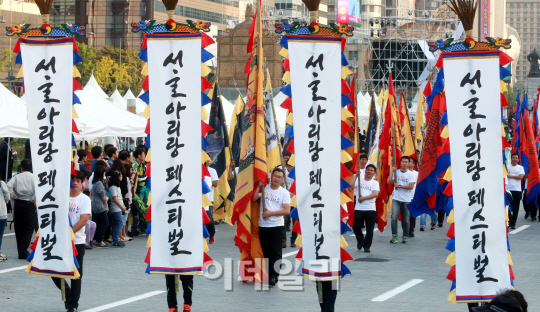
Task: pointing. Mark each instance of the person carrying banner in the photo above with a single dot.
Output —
(187, 287)
(212, 182)
(365, 210)
(80, 209)
(515, 175)
(22, 190)
(271, 223)
(403, 186)
(412, 165)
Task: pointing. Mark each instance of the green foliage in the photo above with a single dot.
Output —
(7, 63)
(105, 65)
(510, 97)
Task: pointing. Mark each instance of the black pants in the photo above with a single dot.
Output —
(211, 227)
(369, 217)
(530, 208)
(412, 223)
(187, 286)
(270, 238)
(294, 235)
(516, 200)
(73, 293)
(26, 222)
(328, 294)
(440, 216)
(102, 224)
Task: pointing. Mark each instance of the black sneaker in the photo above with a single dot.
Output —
(440, 225)
(526, 215)
(272, 282)
(88, 246)
(359, 246)
(411, 234)
(367, 250)
(102, 245)
(72, 310)
(118, 245)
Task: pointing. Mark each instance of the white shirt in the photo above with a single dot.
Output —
(78, 206)
(513, 184)
(404, 178)
(415, 178)
(213, 177)
(274, 200)
(367, 188)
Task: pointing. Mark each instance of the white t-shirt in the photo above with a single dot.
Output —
(213, 177)
(404, 178)
(367, 188)
(513, 184)
(274, 200)
(415, 178)
(77, 206)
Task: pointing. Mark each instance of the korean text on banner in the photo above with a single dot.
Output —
(48, 77)
(175, 119)
(474, 119)
(315, 79)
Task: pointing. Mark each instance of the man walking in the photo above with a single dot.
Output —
(403, 187)
(212, 182)
(515, 175)
(271, 223)
(365, 210)
(80, 209)
(412, 164)
(21, 189)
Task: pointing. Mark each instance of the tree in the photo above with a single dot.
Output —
(8, 60)
(510, 98)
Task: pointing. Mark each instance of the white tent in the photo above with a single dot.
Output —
(13, 119)
(139, 104)
(92, 83)
(118, 100)
(362, 109)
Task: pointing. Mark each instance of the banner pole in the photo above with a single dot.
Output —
(275, 123)
(413, 138)
(357, 137)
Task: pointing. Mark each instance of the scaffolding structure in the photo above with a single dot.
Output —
(399, 42)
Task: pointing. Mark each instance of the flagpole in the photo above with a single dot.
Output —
(357, 136)
(275, 123)
(260, 78)
(393, 138)
(413, 138)
(224, 130)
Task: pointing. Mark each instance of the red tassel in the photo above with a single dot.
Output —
(452, 274)
(207, 260)
(17, 47)
(148, 172)
(299, 254)
(345, 256)
(296, 228)
(75, 46)
(286, 65)
(345, 89)
(451, 231)
(145, 83)
(344, 213)
(290, 148)
(205, 85)
(345, 172)
(143, 43)
(75, 252)
(504, 103)
(350, 210)
(504, 58)
(448, 191)
(34, 244)
(76, 85)
(248, 66)
(74, 126)
(345, 128)
(512, 276)
(205, 128)
(287, 104)
(148, 215)
(147, 258)
(205, 172)
(73, 169)
(205, 217)
(147, 129)
(293, 188)
(206, 40)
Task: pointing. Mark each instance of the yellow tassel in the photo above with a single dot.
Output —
(74, 113)
(444, 133)
(76, 72)
(289, 119)
(20, 73)
(37, 233)
(149, 156)
(345, 157)
(284, 52)
(149, 241)
(205, 246)
(510, 259)
(205, 201)
(205, 70)
(450, 218)
(291, 160)
(72, 235)
(293, 201)
(344, 199)
(287, 77)
(503, 132)
(146, 113)
(204, 113)
(144, 70)
(448, 174)
(505, 172)
(503, 86)
(343, 243)
(345, 114)
(205, 157)
(452, 296)
(76, 273)
(149, 200)
(451, 259)
(345, 71)
(298, 241)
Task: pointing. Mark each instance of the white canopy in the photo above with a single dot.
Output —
(139, 104)
(118, 100)
(13, 119)
(93, 84)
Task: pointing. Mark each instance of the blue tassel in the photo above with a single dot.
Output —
(149, 183)
(206, 56)
(205, 143)
(292, 174)
(205, 188)
(148, 269)
(31, 256)
(511, 282)
(508, 243)
(444, 119)
(290, 132)
(205, 99)
(205, 232)
(453, 285)
(345, 270)
(287, 90)
(76, 262)
(504, 73)
(284, 42)
(70, 224)
(149, 228)
(76, 99)
(451, 245)
(345, 228)
(438, 87)
(147, 144)
(77, 58)
(71, 184)
(18, 59)
(143, 55)
(344, 61)
(294, 214)
(73, 141)
(145, 97)
(346, 143)
(344, 185)
(299, 269)
(345, 101)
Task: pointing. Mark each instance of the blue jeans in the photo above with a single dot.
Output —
(117, 225)
(3, 223)
(423, 219)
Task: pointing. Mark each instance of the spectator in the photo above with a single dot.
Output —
(112, 154)
(88, 163)
(118, 166)
(99, 206)
(27, 150)
(117, 207)
(140, 189)
(508, 301)
(21, 189)
(212, 182)
(83, 158)
(6, 159)
(4, 199)
(97, 154)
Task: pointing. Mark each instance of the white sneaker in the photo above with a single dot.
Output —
(3, 258)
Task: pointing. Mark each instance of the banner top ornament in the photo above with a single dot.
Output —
(448, 45)
(151, 27)
(314, 28)
(24, 30)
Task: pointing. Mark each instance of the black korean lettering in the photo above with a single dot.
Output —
(46, 87)
(173, 82)
(46, 132)
(320, 111)
(472, 109)
(318, 61)
(318, 243)
(176, 60)
(473, 149)
(314, 89)
(49, 66)
(48, 196)
(46, 148)
(48, 219)
(174, 240)
(174, 173)
(315, 150)
(480, 266)
(480, 241)
(469, 131)
(47, 244)
(317, 220)
(172, 144)
(315, 177)
(314, 131)
(47, 178)
(474, 166)
(174, 127)
(179, 107)
(469, 80)
(316, 196)
(175, 215)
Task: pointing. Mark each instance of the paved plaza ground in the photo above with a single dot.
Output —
(412, 277)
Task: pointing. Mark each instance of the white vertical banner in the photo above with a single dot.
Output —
(474, 122)
(315, 66)
(48, 80)
(174, 69)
